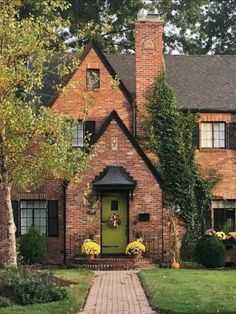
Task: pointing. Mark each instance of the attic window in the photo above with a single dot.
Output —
(93, 79)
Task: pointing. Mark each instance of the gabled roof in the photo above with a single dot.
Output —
(114, 116)
(201, 83)
(92, 45)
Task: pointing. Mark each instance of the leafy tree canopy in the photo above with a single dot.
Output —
(192, 26)
(199, 26)
(34, 144)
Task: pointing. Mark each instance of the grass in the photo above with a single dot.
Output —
(191, 291)
(73, 304)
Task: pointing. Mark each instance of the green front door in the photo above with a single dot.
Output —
(114, 240)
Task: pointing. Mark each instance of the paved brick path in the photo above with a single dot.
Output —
(117, 292)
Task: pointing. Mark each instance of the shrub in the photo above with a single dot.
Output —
(33, 247)
(187, 248)
(210, 252)
(31, 287)
(4, 302)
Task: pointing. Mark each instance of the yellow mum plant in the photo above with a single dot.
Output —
(231, 234)
(90, 247)
(135, 247)
(221, 235)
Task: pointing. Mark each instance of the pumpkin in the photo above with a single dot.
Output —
(175, 265)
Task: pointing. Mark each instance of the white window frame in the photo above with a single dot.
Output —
(213, 135)
(78, 134)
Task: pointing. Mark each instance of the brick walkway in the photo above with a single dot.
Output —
(117, 292)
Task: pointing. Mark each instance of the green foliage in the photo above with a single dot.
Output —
(35, 144)
(210, 252)
(189, 291)
(30, 287)
(109, 22)
(169, 132)
(33, 247)
(4, 302)
(199, 26)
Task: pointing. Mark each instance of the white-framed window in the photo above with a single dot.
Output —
(224, 213)
(78, 134)
(33, 214)
(212, 134)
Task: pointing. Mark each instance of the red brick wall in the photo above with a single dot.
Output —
(147, 196)
(100, 102)
(149, 60)
(50, 190)
(221, 162)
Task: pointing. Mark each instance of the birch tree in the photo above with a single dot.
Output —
(35, 143)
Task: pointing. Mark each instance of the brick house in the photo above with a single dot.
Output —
(123, 179)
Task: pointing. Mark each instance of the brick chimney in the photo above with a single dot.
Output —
(149, 57)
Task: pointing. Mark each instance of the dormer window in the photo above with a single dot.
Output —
(93, 79)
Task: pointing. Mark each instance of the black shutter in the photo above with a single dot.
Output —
(15, 209)
(231, 127)
(196, 138)
(53, 219)
(90, 131)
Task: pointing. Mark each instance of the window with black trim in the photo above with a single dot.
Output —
(83, 133)
(93, 79)
(78, 134)
(212, 134)
(224, 215)
(33, 214)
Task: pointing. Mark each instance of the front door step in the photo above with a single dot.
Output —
(114, 263)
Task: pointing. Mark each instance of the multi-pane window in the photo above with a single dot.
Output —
(78, 134)
(33, 214)
(93, 79)
(213, 135)
(224, 215)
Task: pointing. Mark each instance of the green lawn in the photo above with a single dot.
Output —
(77, 295)
(190, 291)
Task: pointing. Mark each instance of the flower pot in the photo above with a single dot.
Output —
(136, 256)
(90, 257)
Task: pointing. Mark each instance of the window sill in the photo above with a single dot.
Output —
(213, 149)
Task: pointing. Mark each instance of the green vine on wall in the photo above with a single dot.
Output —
(169, 132)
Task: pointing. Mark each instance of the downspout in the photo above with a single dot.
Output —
(134, 106)
(162, 244)
(64, 185)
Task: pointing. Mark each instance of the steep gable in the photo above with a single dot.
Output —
(114, 118)
(76, 99)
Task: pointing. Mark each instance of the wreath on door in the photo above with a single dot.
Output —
(114, 220)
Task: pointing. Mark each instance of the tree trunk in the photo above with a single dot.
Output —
(10, 259)
(8, 251)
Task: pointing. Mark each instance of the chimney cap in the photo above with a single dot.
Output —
(143, 15)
